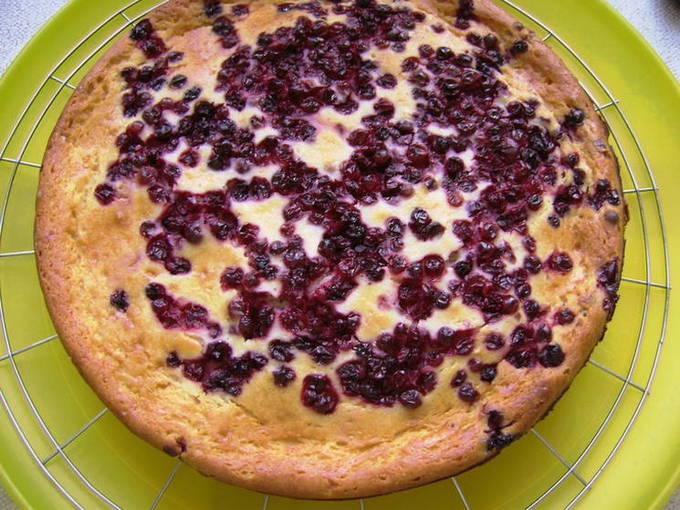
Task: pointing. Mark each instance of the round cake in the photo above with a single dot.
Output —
(330, 249)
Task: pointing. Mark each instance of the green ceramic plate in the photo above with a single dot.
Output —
(611, 442)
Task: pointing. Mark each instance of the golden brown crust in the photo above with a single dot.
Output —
(250, 441)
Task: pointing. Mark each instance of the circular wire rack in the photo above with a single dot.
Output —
(649, 288)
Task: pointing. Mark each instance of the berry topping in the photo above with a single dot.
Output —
(119, 300)
(410, 398)
(564, 316)
(519, 47)
(459, 378)
(560, 262)
(281, 350)
(283, 376)
(468, 393)
(488, 373)
(574, 118)
(608, 279)
(551, 356)
(464, 172)
(212, 8)
(146, 39)
(318, 394)
(105, 194)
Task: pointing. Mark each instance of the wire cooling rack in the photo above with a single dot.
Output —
(650, 283)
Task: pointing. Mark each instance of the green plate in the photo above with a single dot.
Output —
(611, 442)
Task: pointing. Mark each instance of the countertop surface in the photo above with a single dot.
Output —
(657, 20)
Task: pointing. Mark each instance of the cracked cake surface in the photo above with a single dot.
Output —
(330, 249)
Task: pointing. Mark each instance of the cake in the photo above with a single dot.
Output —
(330, 249)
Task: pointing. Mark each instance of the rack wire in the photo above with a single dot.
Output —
(59, 449)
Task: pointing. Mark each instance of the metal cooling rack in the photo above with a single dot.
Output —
(59, 449)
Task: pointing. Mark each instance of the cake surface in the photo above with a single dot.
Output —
(330, 249)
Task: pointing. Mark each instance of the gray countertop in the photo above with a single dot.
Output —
(657, 20)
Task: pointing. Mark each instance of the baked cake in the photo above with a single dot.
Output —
(330, 249)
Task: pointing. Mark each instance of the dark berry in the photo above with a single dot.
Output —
(494, 342)
(574, 118)
(178, 81)
(212, 8)
(119, 300)
(240, 10)
(410, 398)
(564, 316)
(192, 93)
(519, 47)
(173, 360)
(433, 265)
(560, 262)
(318, 393)
(462, 268)
(444, 53)
(459, 378)
(283, 376)
(281, 350)
(387, 81)
(551, 356)
(488, 373)
(498, 440)
(105, 194)
(231, 277)
(141, 30)
(467, 393)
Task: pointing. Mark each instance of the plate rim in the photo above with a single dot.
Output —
(13, 444)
